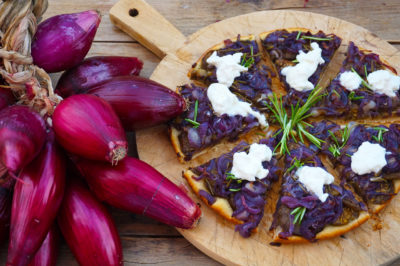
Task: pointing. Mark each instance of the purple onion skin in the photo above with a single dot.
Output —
(5, 212)
(137, 187)
(47, 254)
(22, 135)
(88, 228)
(62, 41)
(37, 198)
(95, 70)
(87, 126)
(6, 98)
(140, 102)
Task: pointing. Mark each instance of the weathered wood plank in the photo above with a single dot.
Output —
(189, 16)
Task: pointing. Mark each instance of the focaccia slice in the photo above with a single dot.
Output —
(254, 84)
(376, 189)
(300, 215)
(190, 139)
(283, 46)
(240, 201)
(361, 102)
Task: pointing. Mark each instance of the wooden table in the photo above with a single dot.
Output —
(144, 240)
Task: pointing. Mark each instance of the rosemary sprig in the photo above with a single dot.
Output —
(298, 214)
(230, 177)
(250, 61)
(381, 130)
(365, 70)
(294, 124)
(298, 35)
(336, 147)
(352, 96)
(362, 80)
(304, 37)
(295, 164)
(196, 106)
(234, 189)
(194, 123)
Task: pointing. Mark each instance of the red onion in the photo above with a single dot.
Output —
(135, 186)
(63, 41)
(95, 70)
(5, 212)
(47, 254)
(87, 126)
(37, 197)
(22, 135)
(140, 102)
(88, 228)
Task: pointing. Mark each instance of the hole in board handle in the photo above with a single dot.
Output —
(133, 12)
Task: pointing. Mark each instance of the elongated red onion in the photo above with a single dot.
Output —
(37, 198)
(88, 228)
(5, 211)
(62, 41)
(135, 186)
(87, 126)
(47, 253)
(95, 70)
(22, 135)
(140, 102)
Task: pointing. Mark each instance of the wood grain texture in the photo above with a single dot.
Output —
(380, 17)
(214, 235)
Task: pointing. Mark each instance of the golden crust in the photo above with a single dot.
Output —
(221, 205)
(377, 208)
(328, 232)
(198, 65)
(174, 136)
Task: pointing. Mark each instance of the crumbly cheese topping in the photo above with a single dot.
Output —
(350, 80)
(314, 179)
(228, 67)
(369, 158)
(384, 82)
(223, 101)
(248, 166)
(297, 76)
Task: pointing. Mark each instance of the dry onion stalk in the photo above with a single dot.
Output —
(31, 84)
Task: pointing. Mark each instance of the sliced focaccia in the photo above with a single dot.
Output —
(300, 57)
(254, 84)
(241, 201)
(365, 87)
(367, 158)
(201, 127)
(312, 205)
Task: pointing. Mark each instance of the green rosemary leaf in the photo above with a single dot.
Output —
(196, 106)
(381, 130)
(365, 71)
(376, 138)
(315, 38)
(295, 61)
(333, 137)
(335, 92)
(298, 213)
(234, 189)
(261, 134)
(334, 150)
(362, 80)
(352, 96)
(194, 123)
(298, 35)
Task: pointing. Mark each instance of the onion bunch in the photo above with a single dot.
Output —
(103, 98)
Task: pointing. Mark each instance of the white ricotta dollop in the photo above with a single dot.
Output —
(314, 179)
(297, 76)
(228, 67)
(369, 158)
(223, 101)
(249, 166)
(384, 82)
(350, 80)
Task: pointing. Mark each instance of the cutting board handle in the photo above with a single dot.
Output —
(146, 25)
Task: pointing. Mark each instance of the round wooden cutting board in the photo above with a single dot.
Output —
(213, 235)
